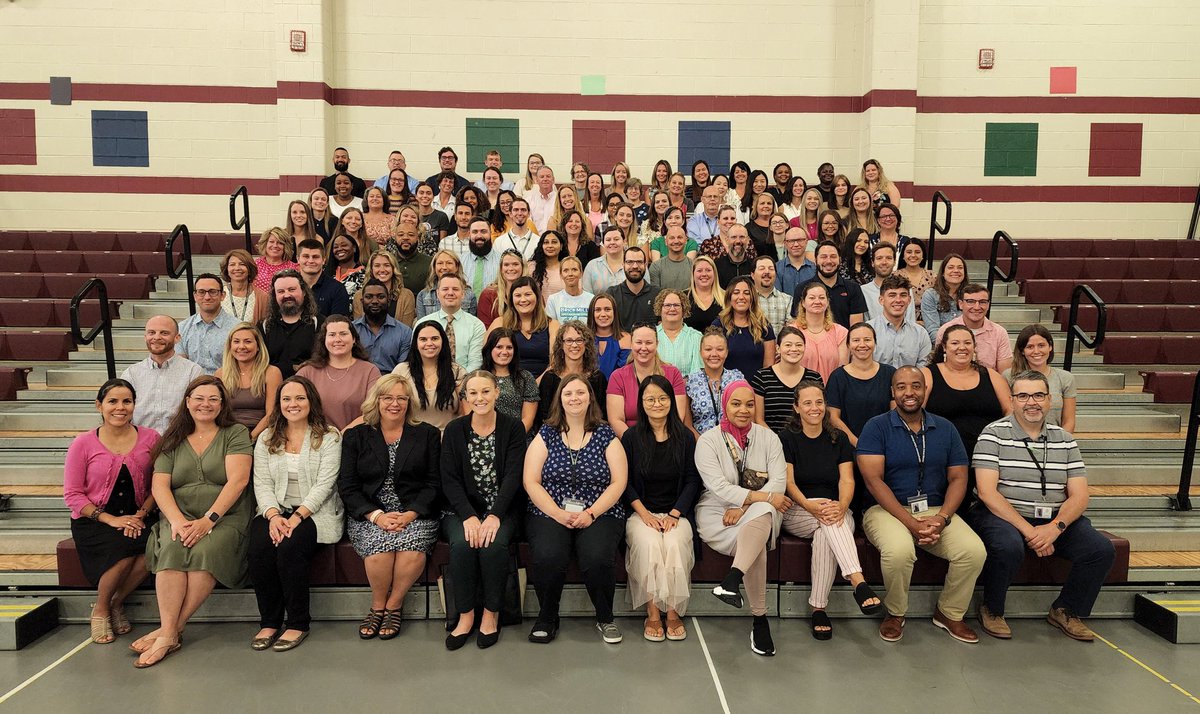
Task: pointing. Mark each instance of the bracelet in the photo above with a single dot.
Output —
(674, 518)
(374, 516)
(97, 511)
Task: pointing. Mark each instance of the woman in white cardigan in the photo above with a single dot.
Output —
(296, 462)
(740, 512)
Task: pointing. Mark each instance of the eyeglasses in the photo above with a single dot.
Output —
(1025, 397)
(664, 399)
(201, 400)
(573, 341)
(984, 302)
(207, 293)
(672, 306)
(389, 399)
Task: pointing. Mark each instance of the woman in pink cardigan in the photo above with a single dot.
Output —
(106, 483)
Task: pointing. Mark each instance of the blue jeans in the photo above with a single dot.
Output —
(1090, 553)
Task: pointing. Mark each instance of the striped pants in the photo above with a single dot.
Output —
(832, 546)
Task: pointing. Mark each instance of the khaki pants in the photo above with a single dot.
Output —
(898, 552)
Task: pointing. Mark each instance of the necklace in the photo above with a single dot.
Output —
(329, 369)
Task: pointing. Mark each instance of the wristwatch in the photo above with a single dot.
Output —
(1061, 526)
(213, 516)
(946, 518)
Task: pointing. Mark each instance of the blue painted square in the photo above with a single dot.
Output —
(120, 139)
(707, 140)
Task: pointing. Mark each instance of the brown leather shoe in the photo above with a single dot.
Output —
(958, 629)
(993, 624)
(1071, 626)
(892, 628)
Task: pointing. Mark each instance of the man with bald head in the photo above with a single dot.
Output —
(161, 379)
(738, 260)
(703, 224)
(915, 467)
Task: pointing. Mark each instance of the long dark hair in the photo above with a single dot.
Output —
(445, 368)
(405, 195)
(308, 308)
(320, 353)
(539, 256)
(514, 368)
(945, 297)
(557, 419)
(796, 425)
(182, 425)
(276, 431)
(696, 191)
(643, 434)
(744, 167)
(497, 218)
(848, 254)
(748, 199)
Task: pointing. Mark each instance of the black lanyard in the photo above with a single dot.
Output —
(713, 395)
(1045, 460)
(920, 458)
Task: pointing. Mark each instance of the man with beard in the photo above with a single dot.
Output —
(825, 174)
(915, 467)
(202, 336)
(341, 165)
(521, 237)
(413, 264)
(737, 261)
(718, 245)
(775, 304)
(291, 326)
(634, 296)
(883, 262)
(1031, 478)
(437, 225)
(459, 242)
(464, 330)
(845, 297)
(161, 379)
(448, 162)
(482, 263)
(331, 296)
(384, 337)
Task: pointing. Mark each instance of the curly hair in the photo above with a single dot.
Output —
(558, 355)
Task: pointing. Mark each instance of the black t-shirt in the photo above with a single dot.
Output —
(815, 462)
(357, 186)
(702, 319)
(289, 344)
(727, 270)
(436, 222)
(660, 485)
(760, 238)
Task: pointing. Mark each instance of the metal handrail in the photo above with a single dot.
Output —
(105, 326)
(994, 271)
(244, 222)
(1182, 501)
(1073, 328)
(936, 229)
(1191, 234)
(174, 269)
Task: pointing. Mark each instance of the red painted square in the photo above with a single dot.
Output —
(1063, 80)
(18, 141)
(598, 143)
(1116, 150)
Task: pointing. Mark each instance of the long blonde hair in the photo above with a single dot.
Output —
(718, 292)
(758, 321)
(370, 405)
(503, 288)
(432, 279)
(884, 182)
(229, 372)
(557, 217)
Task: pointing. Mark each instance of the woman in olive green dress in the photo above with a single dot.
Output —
(201, 469)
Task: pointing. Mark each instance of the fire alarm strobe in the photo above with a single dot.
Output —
(298, 41)
(987, 59)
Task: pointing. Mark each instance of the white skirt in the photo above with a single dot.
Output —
(659, 565)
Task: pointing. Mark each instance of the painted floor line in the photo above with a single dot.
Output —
(51, 666)
(712, 669)
(1148, 668)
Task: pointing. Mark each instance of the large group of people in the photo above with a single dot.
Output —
(660, 364)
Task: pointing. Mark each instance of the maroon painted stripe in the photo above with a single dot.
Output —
(889, 98)
(301, 184)
(171, 93)
(25, 90)
(1058, 105)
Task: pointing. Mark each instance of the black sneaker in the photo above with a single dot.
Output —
(760, 637)
(543, 632)
(730, 589)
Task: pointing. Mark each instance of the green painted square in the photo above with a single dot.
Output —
(592, 84)
(1010, 149)
(483, 135)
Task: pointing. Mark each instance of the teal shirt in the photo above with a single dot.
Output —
(684, 352)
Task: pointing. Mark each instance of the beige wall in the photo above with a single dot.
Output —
(813, 48)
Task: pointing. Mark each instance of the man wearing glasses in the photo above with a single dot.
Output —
(1033, 491)
(634, 296)
(992, 348)
(202, 336)
(447, 163)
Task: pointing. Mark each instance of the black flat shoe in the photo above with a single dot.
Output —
(543, 632)
(484, 641)
(454, 642)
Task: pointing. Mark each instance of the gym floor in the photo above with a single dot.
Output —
(714, 670)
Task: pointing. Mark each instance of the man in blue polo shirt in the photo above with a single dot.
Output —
(384, 337)
(915, 467)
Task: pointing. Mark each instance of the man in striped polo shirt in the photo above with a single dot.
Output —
(1033, 491)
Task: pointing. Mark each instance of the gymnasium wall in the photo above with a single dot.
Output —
(1086, 126)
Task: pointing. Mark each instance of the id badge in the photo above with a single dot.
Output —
(1044, 513)
(918, 503)
(573, 505)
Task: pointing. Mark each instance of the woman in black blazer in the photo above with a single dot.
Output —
(482, 457)
(389, 483)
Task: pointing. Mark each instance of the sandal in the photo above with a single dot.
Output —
(102, 632)
(653, 630)
(142, 644)
(369, 627)
(167, 645)
(862, 593)
(120, 621)
(390, 626)
(675, 630)
(821, 619)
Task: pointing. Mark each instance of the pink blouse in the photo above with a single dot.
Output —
(821, 351)
(91, 469)
(624, 383)
(266, 272)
